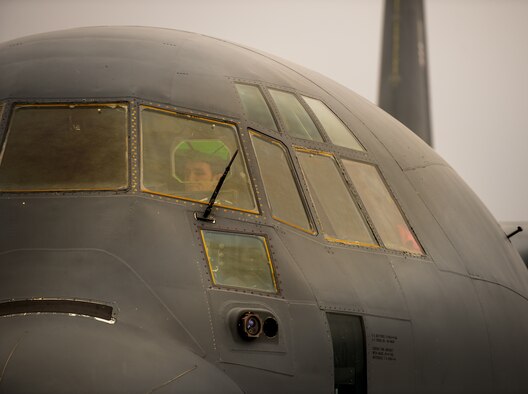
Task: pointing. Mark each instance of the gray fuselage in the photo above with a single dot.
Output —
(451, 318)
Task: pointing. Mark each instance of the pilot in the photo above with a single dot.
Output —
(198, 166)
(201, 173)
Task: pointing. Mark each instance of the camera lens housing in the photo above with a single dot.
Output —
(249, 325)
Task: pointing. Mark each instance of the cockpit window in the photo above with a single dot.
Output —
(337, 131)
(381, 207)
(296, 120)
(239, 260)
(281, 189)
(340, 217)
(255, 105)
(185, 156)
(63, 147)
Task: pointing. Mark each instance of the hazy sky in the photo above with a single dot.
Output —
(477, 49)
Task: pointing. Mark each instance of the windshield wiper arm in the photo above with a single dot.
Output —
(212, 200)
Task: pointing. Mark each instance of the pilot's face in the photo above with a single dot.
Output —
(199, 177)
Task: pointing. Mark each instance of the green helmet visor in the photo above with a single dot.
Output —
(213, 152)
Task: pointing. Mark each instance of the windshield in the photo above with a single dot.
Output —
(184, 157)
(62, 147)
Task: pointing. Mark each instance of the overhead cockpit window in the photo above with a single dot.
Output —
(65, 147)
(340, 217)
(337, 131)
(382, 208)
(239, 260)
(255, 105)
(296, 120)
(281, 189)
(185, 156)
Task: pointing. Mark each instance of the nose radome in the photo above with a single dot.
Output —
(83, 321)
(59, 353)
(96, 279)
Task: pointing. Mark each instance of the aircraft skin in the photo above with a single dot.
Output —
(451, 320)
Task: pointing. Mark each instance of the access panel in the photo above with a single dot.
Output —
(348, 340)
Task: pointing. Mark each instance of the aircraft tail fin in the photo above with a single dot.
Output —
(404, 91)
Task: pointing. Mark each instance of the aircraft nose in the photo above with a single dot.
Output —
(84, 321)
(58, 353)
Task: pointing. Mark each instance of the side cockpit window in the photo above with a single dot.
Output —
(255, 106)
(279, 182)
(297, 122)
(382, 208)
(339, 215)
(185, 156)
(337, 131)
(65, 147)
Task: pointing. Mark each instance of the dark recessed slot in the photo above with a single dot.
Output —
(350, 366)
(85, 308)
(270, 327)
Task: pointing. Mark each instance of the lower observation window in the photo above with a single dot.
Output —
(239, 260)
(65, 147)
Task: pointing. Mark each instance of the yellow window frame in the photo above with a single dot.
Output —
(256, 211)
(268, 256)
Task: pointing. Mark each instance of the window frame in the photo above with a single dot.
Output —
(305, 107)
(199, 117)
(338, 153)
(361, 209)
(268, 100)
(396, 203)
(271, 266)
(242, 128)
(318, 123)
(5, 131)
(295, 176)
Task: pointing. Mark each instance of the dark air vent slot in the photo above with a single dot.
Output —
(86, 308)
